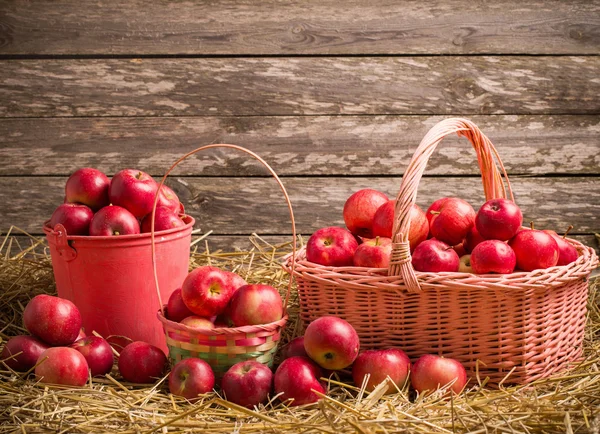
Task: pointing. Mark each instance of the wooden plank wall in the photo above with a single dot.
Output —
(335, 95)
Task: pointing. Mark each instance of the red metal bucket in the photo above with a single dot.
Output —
(110, 279)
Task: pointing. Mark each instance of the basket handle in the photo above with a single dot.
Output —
(491, 177)
(265, 164)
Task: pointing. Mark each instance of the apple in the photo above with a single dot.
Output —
(62, 365)
(493, 256)
(567, 252)
(247, 383)
(359, 210)
(380, 364)
(534, 250)
(97, 352)
(75, 217)
(164, 219)
(88, 186)
(464, 266)
(297, 379)
(331, 342)
(235, 280)
(498, 219)
(431, 372)
(176, 308)
(460, 249)
(331, 246)
(198, 323)
(294, 348)
(25, 351)
(114, 220)
(254, 305)
(450, 219)
(168, 198)
(472, 239)
(383, 223)
(54, 320)
(374, 253)
(134, 190)
(190, 378)
(206, 291)
(118, 342)
(141, 362)
(435, 256)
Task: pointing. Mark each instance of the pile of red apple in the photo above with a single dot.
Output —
(95, 205)
(449, 237)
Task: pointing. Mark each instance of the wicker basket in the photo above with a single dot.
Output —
(512, 328)
(224, 347)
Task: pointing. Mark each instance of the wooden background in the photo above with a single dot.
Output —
(335, 95)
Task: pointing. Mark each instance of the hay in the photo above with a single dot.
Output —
(568, 403)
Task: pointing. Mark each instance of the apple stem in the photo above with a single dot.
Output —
(117, 233)
(435, 212)
(377, 240)
(531, 224)
(567, 231)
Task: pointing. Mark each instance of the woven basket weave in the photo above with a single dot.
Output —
(224, 347)
(513, 328)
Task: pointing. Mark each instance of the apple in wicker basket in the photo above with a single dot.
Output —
(374, 253)
(567, 252)
(247, 383)
(88, 186)
(534, 250)
(331, 246)
(176, 308)
(359, 210)
(498, 219)
(254, 305)
(379, 365)
(493, 256)
(54, 320)
(296, 379)
(75, 217)
(450, 219)
(22, 352)
(164, 219)
(62, 365)
(198, 323)
(464, 265)
(331, 342)
(141, 362)
(206, 291)
(472, 239)
(431, 372)
(383, 223)
(435, 256)
(114, 220)
(190, 378)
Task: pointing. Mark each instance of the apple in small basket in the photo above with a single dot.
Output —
(75, 217)
(374, 253)
(498, 219)
(383, 223)
(493, 256)
(433, 255)
(133, 190)
(254, 305)
(379, 365)
(97, 352)
(62, 365)
(331, 342)
(54, 320)
(22, 352)
(331, 246)
(359, 210)
(190, 378)
(296, 379)
(176, 308)
(431, 372)
(88, 186)
(198, 323)
(247, 383)
(164, 219)
(206, 290)
(450, 218)
(114, 220)
(141, 362)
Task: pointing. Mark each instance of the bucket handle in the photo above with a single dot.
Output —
(64, 249)
(266, 165)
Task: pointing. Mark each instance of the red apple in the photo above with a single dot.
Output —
(472, 239)
(176, 308)
(460, 249)
(380, 364)
(168, 198)
(464, 265)
(25, 351)
(88, 186)
(118, 342)
(190, 378)
(294, 348)
(134, 190)
(493, 256)
(164, 219)
(331, 342)
(383, 223)
(498, 219)
(54, 320)
(62, 365)
(331, 246)
(431, 372)
(235, 280)
(206, 291)
(198, 323)
(254, 305)
(114, 220)
(97, 352)
(359, 210)
(75, 217)
(534, 250)
(141, 362)
(296, 379)
(247, 383)
(434, 256)
(374, 253)
(567, 252)
(450, 219)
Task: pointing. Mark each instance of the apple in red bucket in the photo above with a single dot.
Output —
(114, 220)
(498, 219)
(190, 378)
(206, 290)
(62, 365)
(75, 217)
(431, 372)
(534, 250)
(22, 352)
(168, 198)
(450, 218)
(294, 348)
(374, 253)
(379, 365)
(88, 186)
(247, 383)
(359, 210)
(134, 190)
(254, 305)
(141, 362)
(198, 323)
(164, 219)
(54, 320)
(433, 255)
(567, 252)
(97, 352)
(176, 308)
(331, 246)
(296, 379)
(331, 342)
(383, 223)
(493, 256)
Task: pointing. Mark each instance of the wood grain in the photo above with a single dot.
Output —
(296, 145)
(300, 86)
(235, 206)
(299, 27)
